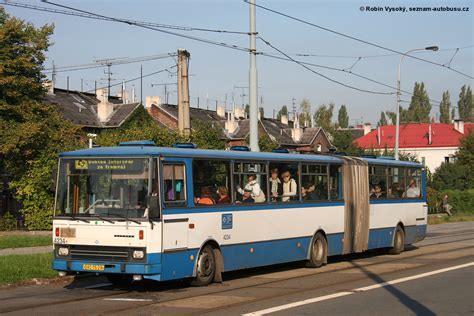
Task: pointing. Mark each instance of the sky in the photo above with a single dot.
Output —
(217, 72)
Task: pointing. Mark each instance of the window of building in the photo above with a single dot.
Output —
(211, 182)
(174, 184)
(250, 182)
(314, 180)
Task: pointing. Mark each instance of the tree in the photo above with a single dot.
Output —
(323, 116)
(444, 108)
(465, 104)
(342, 140)
(383, 119)
(392, 116)
(458, 175)
(31, 133)
(420, 107)
(342, 117)
(283, 111)
(305, 116)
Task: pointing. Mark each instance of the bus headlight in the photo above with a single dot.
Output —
(138, 254)
(63, 251)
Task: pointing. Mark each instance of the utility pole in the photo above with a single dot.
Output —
(253, 83)
(294, 107)
(108, 79)
(141, 85)
(82, 81)
(183, 92)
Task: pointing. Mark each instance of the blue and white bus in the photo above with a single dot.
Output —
(138, 211)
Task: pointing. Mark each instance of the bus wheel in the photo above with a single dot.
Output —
(206, 267)
(318, 256)
(398, 242)
(120, 279)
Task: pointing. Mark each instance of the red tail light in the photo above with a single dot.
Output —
(140, 234)
(57, 231)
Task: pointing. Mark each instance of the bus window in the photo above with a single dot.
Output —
(395, 182)
(314, 180)
(335, 182)
(250, 178)
(378, 182)
(413, 183)
(174, 185)
(211, 182)
(284, 182)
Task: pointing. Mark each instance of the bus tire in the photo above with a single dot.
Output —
(205, 267)
(119, 279)
(398, 241)
(318, 255)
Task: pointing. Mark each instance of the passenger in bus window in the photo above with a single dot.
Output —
(377, 194)
(276, 187)
(290, 188)
(205, 198)
(413, 190)
(254, 187)
(224, 197)
(308, 192)
(247, 196)
(395, 191)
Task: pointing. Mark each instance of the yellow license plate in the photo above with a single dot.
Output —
(93, 267)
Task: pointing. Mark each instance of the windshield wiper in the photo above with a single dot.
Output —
(79, 219)
(126, 218)
(103, 218)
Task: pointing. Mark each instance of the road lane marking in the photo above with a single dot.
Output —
(362, 289)
(128, 299)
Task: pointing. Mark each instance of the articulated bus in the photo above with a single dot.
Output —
(138, 211)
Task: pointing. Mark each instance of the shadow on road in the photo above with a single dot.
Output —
(415, 306)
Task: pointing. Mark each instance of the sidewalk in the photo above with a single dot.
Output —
(25, 250)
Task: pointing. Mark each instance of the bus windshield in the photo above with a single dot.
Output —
(103, 187)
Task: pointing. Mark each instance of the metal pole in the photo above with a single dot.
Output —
(141, 84)
(253, 83)
(397, 126)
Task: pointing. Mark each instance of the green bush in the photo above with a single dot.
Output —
(7, 222)
(462, 201)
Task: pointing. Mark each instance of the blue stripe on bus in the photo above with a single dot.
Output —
(247, 207)
(180, 264)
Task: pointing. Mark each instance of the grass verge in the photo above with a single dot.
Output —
(460, 217)
(15, 268)
(24, 241)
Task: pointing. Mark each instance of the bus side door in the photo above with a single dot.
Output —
(175, 200)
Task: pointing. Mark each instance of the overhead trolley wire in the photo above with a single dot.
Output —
(355, 38)
(320, 74)
(85, 15)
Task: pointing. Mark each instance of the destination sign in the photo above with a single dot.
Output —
(109, 164)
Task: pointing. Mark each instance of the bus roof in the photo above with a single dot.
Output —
(130, 151)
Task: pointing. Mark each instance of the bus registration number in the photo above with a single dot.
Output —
(93, 267)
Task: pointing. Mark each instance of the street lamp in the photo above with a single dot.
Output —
(397, 126)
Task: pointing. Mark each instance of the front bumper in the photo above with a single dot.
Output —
(109, 267)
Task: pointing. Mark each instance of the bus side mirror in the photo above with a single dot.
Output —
(154, 206)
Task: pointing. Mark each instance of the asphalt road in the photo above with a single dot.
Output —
(435, 276)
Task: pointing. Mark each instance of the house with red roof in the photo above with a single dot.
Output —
(432, 143)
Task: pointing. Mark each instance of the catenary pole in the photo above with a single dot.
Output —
(253, 84)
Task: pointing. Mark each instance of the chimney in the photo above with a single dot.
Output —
(296, 131)
(101, 94)
(379, 135)
(459, 126)
(284, 119)
(367, 128)
(430, 135)
(152, 99)
(49, 86)
(104, 110)
(239, 112)
(220, 111)
(231, 125)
